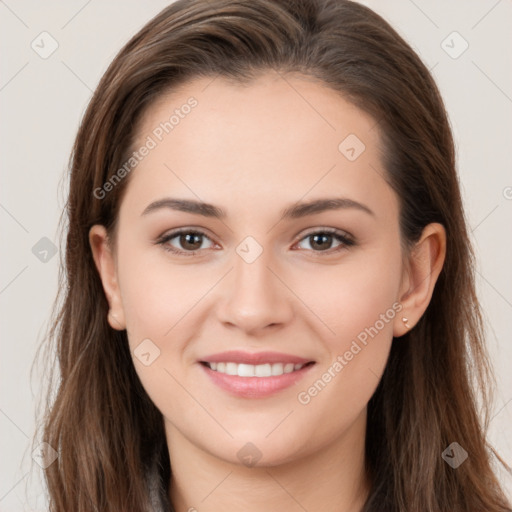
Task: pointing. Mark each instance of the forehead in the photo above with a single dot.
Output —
(298, 105)
(278, 135)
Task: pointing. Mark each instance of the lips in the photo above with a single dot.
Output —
(255, 375)
(240, 357)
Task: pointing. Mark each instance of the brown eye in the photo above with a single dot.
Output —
(190, 241)
(186, 242)
(322, 241)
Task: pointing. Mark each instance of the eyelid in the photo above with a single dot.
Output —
(331, 231)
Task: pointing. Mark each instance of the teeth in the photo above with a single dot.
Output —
(231, 369)
(251, 370)
(263, 370)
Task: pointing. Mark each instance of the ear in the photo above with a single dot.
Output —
(423, 266)
(106, 265)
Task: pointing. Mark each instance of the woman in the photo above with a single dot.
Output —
(269, 298)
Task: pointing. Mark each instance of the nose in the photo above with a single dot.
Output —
(254, 296)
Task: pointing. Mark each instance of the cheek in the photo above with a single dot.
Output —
(157, 294)
(361, 307)
(158, 300)
(343, 385)
(162, 301)
(355, 295)
(366, 303)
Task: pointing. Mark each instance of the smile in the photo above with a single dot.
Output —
(262, 380)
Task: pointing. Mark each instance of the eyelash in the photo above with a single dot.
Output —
(341, 236)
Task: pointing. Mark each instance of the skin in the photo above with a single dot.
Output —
(253, 151)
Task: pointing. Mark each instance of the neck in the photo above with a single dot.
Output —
(331, 478)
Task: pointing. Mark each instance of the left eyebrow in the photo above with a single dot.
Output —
(295, 211)
(321, 205)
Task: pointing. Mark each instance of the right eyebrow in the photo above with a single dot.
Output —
(186, 205)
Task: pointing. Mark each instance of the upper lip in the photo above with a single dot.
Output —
(241, 357)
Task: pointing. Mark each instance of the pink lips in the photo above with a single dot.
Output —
(254, 387)
(240, 357)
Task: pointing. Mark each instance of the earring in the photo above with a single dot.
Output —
(405, 320)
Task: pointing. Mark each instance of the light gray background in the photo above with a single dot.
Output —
(42, 101)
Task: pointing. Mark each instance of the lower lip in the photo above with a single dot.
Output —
(255, 387)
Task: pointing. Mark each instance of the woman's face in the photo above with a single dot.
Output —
(274, 273)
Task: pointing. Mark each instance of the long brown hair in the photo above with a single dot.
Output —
(108, 433)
